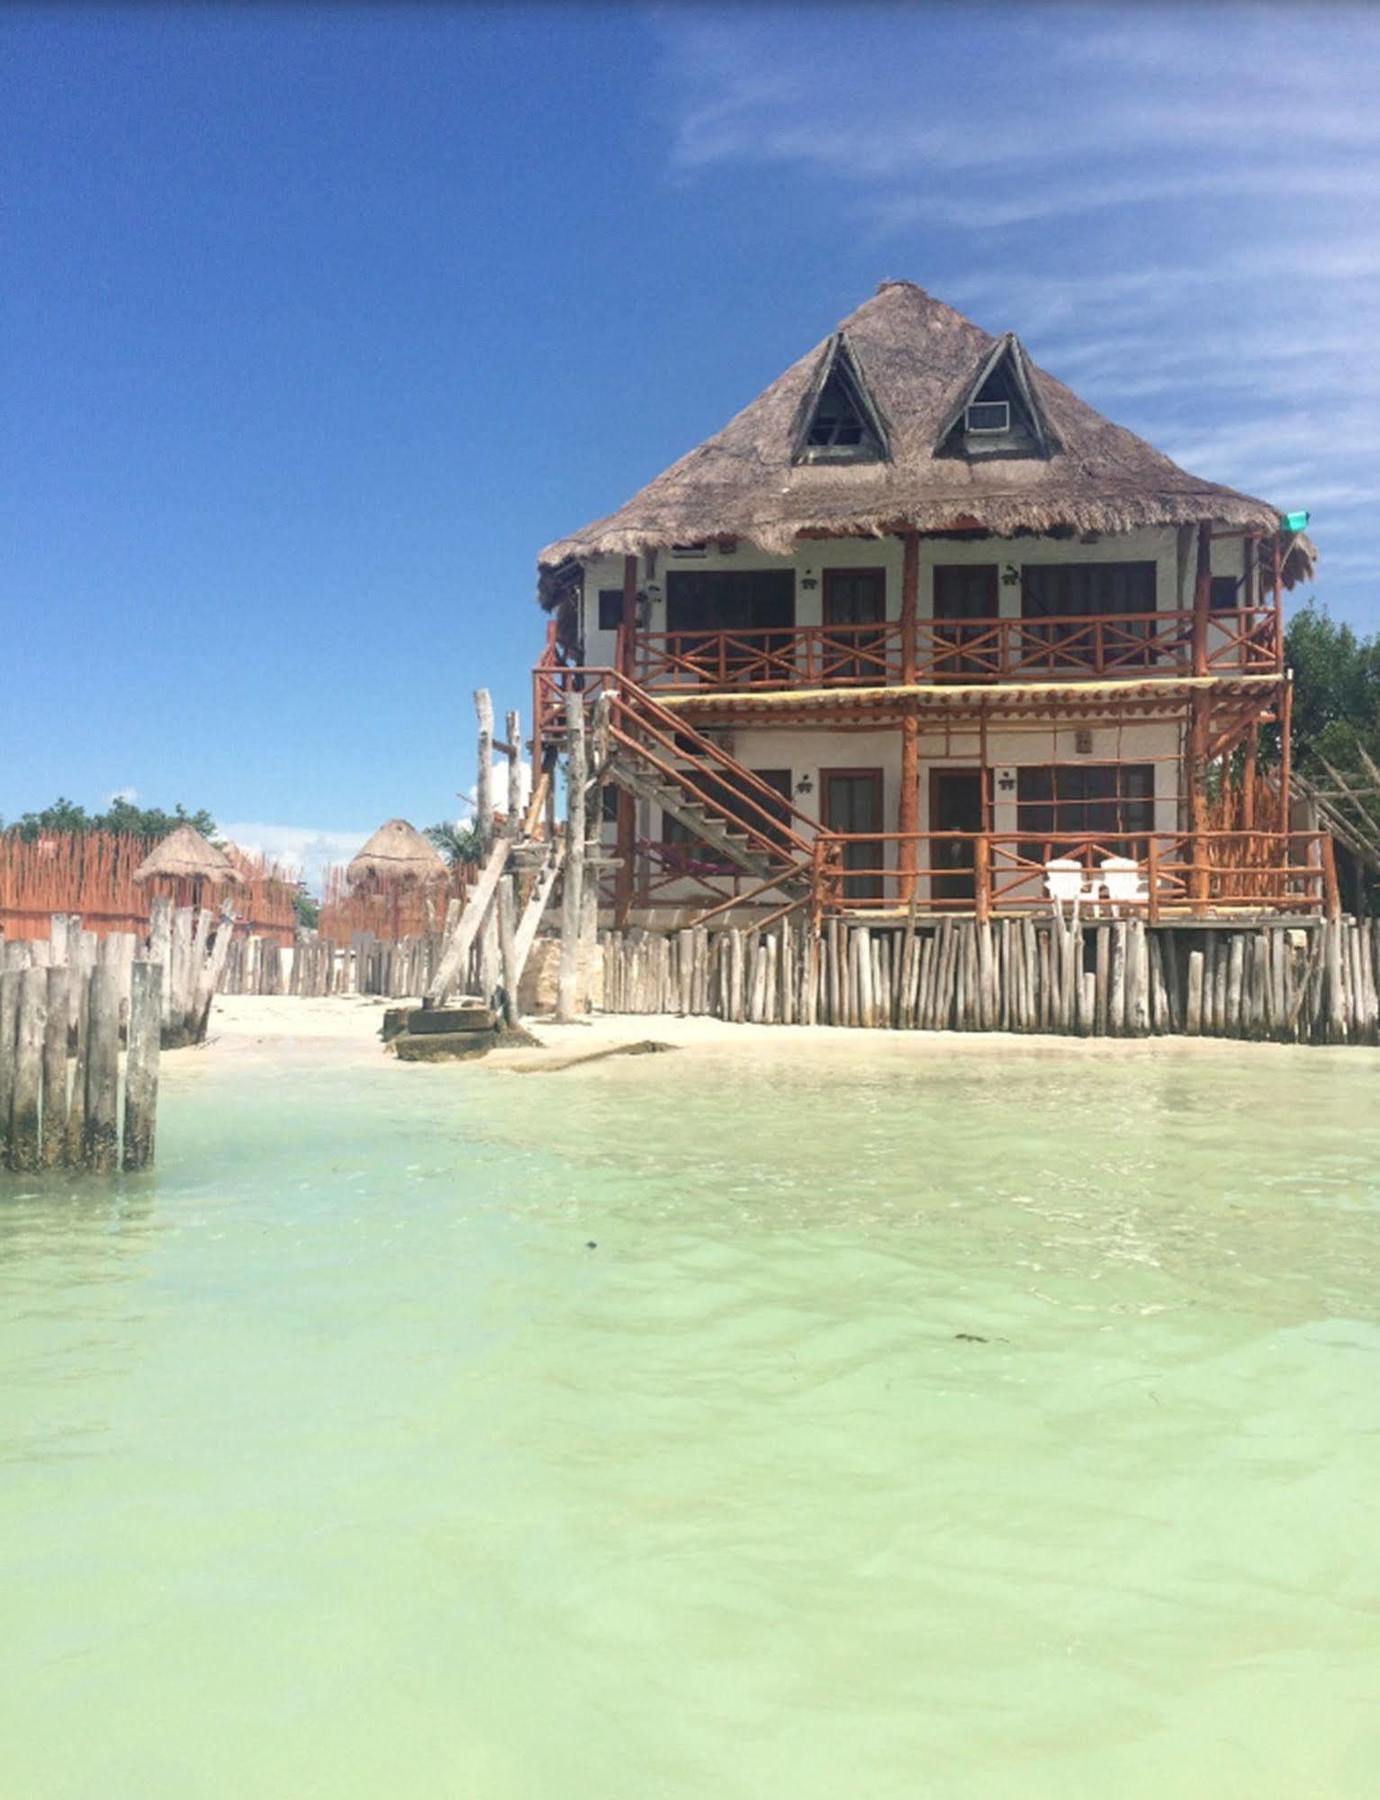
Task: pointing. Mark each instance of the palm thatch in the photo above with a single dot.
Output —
(398, 853)
(917, 360)
(185, 855)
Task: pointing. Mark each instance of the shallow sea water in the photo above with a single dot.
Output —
(337, 1462)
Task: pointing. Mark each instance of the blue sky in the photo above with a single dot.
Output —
(318, 324)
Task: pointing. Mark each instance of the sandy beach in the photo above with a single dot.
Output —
(345, 1029)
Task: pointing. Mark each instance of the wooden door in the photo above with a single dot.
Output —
(851, 801)
(965, 595)
(854, 597)
(955, 805)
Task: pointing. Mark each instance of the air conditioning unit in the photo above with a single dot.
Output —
(988, 417)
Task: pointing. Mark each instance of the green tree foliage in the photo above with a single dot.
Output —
(64, 816)
(1336, 693)
(307, 909)
(456, 843)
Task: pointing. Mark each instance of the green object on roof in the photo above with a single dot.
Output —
(1295, 521)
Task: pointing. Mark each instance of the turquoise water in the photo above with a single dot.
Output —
(337, 1462)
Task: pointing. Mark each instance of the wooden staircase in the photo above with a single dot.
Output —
(658, 756)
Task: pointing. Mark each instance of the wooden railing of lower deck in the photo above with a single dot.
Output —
(1170, 873)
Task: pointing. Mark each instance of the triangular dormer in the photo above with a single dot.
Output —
(1000, 412)
(840, 421)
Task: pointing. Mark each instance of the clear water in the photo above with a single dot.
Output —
(338, 1463)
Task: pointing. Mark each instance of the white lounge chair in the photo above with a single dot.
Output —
(1064, 882)
(1123, 882)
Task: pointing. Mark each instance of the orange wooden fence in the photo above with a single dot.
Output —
(92, 873)
(390, 911)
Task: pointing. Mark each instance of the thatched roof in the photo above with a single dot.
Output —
(396, 852)
(185, 854)
(918, 362)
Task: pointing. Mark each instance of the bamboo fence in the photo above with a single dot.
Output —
(389, 911)
(91, 873)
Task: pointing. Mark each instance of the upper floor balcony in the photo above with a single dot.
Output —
(1129, 646)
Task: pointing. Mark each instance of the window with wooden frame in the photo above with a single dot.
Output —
(1087, 590)
(1065, 800)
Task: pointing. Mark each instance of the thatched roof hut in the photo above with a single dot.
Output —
(396, 853)
(911, 364)
(185, 855)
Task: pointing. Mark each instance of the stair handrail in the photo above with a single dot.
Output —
(680, 727)
(777, 830)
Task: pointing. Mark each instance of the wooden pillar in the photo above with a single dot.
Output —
(1199, 707)
(1286, 752)
(1202, 599)
(627, 634)
(1277, 574)
(1248, 768)
(141, 1064)
(627, 814)
(512, 726)
(483, 786)
(568, 978)
(908, 803)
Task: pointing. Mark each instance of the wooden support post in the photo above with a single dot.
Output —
(76, 1105)
(141, 1063)
(30, 1028)
(101, 1148)
(512, 823)
(10, 980)
(1248, 771)
(160, 947)
(1202, 599)
(1196, 773)
(506, 908)
(568, 977)
(1286, 759)
(1332, 905)
(908, 805)
(55, 1068)
(483, 785)
(982, 876)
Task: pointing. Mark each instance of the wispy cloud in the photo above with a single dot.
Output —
(1178, 209)
(308, 849)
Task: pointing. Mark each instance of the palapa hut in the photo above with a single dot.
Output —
(921, 602)
(187, 867)
(396, 860)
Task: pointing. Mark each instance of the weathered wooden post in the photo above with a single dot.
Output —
(101, 1148)
(30, 1026)
(484, 826)
(141, 1063)
(505, 906)
(568, 977)
(76, 1106)
(55, 1067)
(10, 979)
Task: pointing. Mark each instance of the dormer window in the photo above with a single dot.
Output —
(1000, 415)
(988, 416)
(837, 424)
(839, 420)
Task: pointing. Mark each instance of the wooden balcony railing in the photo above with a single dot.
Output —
(1154, 874)
(1114, 645)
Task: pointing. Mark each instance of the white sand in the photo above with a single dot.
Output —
(346, 1029)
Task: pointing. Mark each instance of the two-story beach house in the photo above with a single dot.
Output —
(919, 631)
